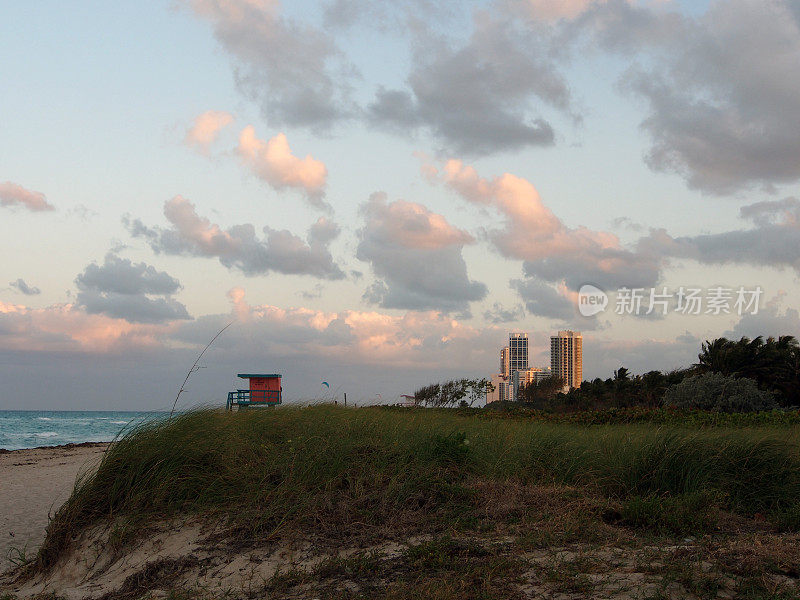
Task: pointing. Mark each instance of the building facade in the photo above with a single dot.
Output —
(506, 391)
(494, 394)
(566, 357)
(526, 376)
(518, 352)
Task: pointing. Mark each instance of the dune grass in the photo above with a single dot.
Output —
(337, 472)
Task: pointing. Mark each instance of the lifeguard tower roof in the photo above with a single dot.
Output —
(254, 375)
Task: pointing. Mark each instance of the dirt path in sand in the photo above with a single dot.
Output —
(33, 484)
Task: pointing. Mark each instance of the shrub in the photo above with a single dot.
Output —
(686, 514)
(788, 519)
(717, 392)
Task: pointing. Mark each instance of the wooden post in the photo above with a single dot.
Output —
(345, 399)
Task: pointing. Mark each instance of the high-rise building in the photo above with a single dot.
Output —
(505, 391)
(505, 362)
(494, 394)
(518, 352)
(566, 357)
(526, 376)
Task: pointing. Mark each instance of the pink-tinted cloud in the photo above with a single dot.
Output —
(206, 128)
(13, 194)
(417, 255)
(534, 234)
(548, 10)
(273, 162)
(412, 225)
(415, 339)
(68, 328)
(553, 10)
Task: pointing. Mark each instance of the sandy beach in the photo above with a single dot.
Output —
(33, 484)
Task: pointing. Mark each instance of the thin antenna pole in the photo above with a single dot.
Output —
(194, 368)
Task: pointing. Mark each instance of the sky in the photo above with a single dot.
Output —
(374, 194)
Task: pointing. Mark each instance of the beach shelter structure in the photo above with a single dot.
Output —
(264, 390)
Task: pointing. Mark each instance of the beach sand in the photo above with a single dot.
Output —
(33, 484)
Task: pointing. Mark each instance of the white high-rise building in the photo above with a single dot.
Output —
(566, 357)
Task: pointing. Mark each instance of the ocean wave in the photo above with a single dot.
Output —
(46, 434)
(44, 418)
(119, 422)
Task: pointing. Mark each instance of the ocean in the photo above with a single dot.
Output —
(29, 429)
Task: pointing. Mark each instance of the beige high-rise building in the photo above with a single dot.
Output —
(497, 387)
(505, 362)
(526, 376)
(566, 357)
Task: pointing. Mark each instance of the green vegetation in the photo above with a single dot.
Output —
(773, 363)
(453, 392)
(641, 415)
(684, 514)
(541, 393)
(342, 474)
(729, 376)
(719, 393)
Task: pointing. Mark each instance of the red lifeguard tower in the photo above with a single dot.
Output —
(264, 390)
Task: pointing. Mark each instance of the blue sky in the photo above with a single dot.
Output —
(660, 152)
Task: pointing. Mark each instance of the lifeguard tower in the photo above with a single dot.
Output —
(264, 390)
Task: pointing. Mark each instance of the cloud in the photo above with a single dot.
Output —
(68, 328)
(417, 255)
(550, 10)
(293, 69)
(551, 251)
(274, 163)
(498, 314)
(628, 224)
(773, 212)
(136, 309)
(721, 88)
(312, 294)
(480, 97)
(24, 288)
(770, 320)
(120, 275)
(238, 247)
(544, 300)
(350, 336)
(206, 128)
(122, 289)
(772, 241)
(602, 356)
(723, 92)
(384, 16)
(13, 194)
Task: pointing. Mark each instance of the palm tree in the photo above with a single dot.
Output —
(774, 363)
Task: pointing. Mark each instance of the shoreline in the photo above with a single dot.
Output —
(67, 446)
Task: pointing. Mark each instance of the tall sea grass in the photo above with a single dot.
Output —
(327, 469)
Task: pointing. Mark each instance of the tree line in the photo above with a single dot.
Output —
(455, 392)
(730, 376)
